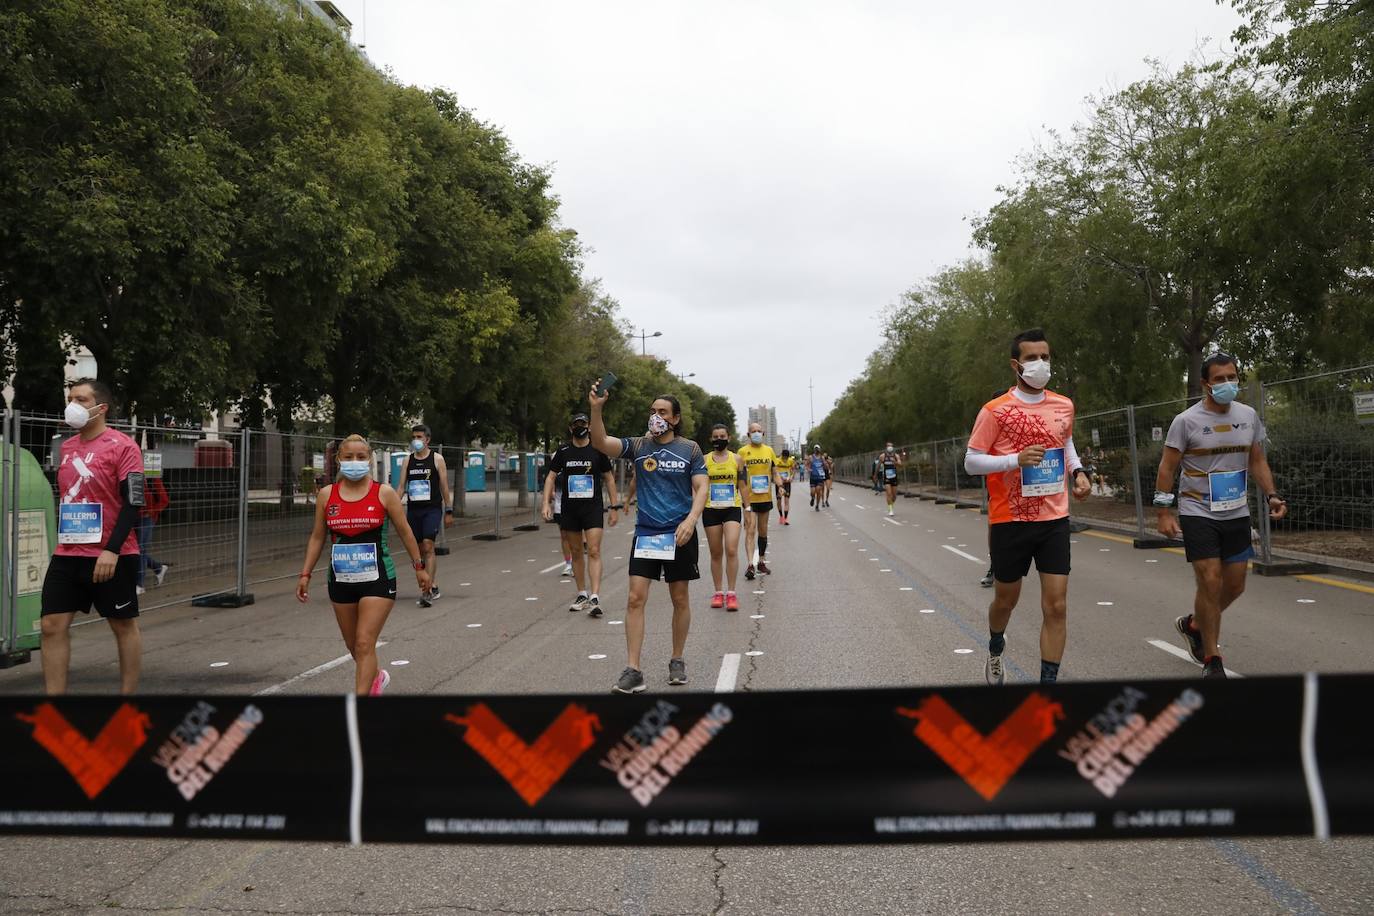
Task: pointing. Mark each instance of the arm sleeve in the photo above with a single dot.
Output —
(131, 491)
(1071, 460)
(980, 463)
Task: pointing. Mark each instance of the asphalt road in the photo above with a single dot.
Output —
(856, 600)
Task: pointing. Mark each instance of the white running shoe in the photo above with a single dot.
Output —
(567, 569)
(160, 574)
(993, 670)
(380, 683)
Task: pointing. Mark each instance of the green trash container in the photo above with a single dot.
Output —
(37, 537)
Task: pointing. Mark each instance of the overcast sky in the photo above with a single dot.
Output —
(758, 180)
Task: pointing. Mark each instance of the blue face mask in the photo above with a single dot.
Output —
(417, 445)
(1225, 392)
(354, 470)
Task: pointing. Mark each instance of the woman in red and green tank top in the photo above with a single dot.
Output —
(357, 514)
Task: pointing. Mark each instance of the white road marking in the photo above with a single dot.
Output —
(558, 565)
(963, 651)
(219, 664)
(1183, 654)
(863, 550)
(966, 556)
(857, 506)
(598, 656)
(400, 663)
(754, 653)
(930, 531)
(842, 499)
(884, 570)
(760, 592)
(530, 560)
(890, 519)
(1104, 550)
(531, 599)
(853, 540)
(318, 669)
(1307, 601)
(464, 584)
(906, 588)
(473, 626)
(505, 570)
(1104, 604)
(927, 610)
(963, 545)
(729, 671)
(617, 558)
(1151, 561)
(755, 616)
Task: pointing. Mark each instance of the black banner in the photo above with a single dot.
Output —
(1261, 756)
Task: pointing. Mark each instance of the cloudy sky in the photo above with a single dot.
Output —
(758, 180)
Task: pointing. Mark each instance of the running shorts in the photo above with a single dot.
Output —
(1211, 539)
(425, 522)
(581, 518)
(353, 592)
(710, 518)
(761, 508)
(67, 588)
(682, 568)
(1014, 545)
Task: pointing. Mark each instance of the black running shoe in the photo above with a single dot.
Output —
(1214, 668)
(677, 672)
(749, 573)
(986, 581)
(1190, 636)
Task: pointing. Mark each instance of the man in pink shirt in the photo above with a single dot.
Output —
(100, 491)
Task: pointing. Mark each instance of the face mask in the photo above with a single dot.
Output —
(580, 433)
(890, 450)
(720, 445)
(657, 425)
(76, 415)
(1036, 374)
(417, 444)
(1225, 392)
(756, 438)
(354, 470)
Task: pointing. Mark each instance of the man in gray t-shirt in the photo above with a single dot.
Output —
(1218, 444)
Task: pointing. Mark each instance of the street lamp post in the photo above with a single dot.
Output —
(683, 378)
(643, 340)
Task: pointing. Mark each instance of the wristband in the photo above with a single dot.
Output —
(448, 510)
(306, 575)
(1163, 500)
(418, 565)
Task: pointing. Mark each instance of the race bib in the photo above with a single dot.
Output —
(418, 490)
(722, 496)
(656, 546)
(890, 473)
(581, 486)
(758, 483)
(80, 523)
(1045, 478)
(785, 475)
(354, 562)
(1226, 490)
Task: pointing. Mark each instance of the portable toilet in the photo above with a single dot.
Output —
(396, 459)
(37, 539)
(475, 476)
(534, 461)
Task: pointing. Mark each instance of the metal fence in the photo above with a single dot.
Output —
(240, 505)
(1320, 446)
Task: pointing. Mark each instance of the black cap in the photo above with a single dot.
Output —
(579, 416)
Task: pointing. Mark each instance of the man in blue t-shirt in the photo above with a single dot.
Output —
(671, 482)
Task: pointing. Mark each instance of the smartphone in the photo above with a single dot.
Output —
(607, 380)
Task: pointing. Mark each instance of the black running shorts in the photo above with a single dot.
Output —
(1210, 539)
(1014, 545)
(682, 568)
(353, 592)
(67, 588)
(579, 517)
(710, 518)
(761, 508)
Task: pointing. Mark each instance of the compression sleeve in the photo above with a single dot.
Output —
(979, 463)
(131, 489)
(1071, 460)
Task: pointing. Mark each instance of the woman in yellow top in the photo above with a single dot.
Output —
(787, 469)
(761, 465)
(723, 514)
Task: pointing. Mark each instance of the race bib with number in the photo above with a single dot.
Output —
(581, 486)
(758, 483)
(418, 490)
(1045, 478)
(80, 523)
(891, 473)
(1226, 490)
(656, 546)
(722, 496)
(785, 475)
(354, 562)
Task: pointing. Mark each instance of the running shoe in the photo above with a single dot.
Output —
(889, 511)
(434, 594)
(567, 568)
(986, 581)
(1192, 637)
(423, 600)
(827, 504)
(749, 573)
(580, 603)
(380, 683)
(138, 589)
(732, 602)
(593, 607)
(160, 573)
(718, 600)
(818, 508)
(631, 681)
(813, 501)
(1214, 668)
(677, 672)
(993, 670)
(763, 568)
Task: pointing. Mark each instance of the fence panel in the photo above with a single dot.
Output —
(1105, 445)
(1321, 449)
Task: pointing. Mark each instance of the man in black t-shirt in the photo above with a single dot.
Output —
(582, 475)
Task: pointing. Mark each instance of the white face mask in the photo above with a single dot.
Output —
(76, 415)
(355, 470)
(417, 444)
(756, 438)
(1036, 373)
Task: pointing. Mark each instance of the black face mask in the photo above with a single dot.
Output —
(580, 433)
(720, 445)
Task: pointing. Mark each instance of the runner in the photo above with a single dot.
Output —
(761, 462)
(726, 475)
(428, 500)
(829, 476)
(100, 488)
(1023, 443)
(875, 474)
(890, 462)
(670, 476)
(155, 502)
(1220, 444)
(815, 471)
(357, 512)
(581, 476)
(787, 468)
